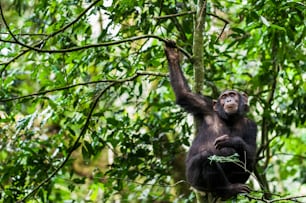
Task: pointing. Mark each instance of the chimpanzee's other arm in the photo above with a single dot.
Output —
(245, 146)
(193, 103)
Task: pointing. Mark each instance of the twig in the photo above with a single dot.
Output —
(297, 156)
(36, 44)
(103, 44)
(13, 59)
(26, 34)
(221, 32)
(8, 41)
(52, 34)
(10, 61)
(187, 13)
(145, 183)
(291, 198)
(222, 19)
(226, 22)
(138, 73)
(75, 20)
(36, 47)
(174, 15)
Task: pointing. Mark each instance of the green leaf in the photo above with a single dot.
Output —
(265, 21)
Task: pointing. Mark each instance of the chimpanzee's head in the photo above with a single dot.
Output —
(231, 104)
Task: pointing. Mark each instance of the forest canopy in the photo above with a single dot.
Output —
(87, 113)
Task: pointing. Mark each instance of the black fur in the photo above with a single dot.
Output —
(219, 134)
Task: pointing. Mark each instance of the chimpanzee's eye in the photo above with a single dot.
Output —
(232, 94)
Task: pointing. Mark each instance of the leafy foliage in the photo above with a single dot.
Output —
(87, 112)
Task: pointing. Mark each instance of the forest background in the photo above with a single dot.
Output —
(87, 113)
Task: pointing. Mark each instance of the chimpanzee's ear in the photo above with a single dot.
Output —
(215, 105)
(245, 101)
(245, 97)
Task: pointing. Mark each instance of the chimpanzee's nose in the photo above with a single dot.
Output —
(228, 100)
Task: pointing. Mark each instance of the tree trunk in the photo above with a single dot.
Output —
(198, 50)
(198, 66)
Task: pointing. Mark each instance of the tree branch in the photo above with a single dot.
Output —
(266, 119)
(292, 198)
(188, 13)
(54, 33)
(137, 74)
(75, 20)
(289, 198)
(27, 34)
(36, 44)
(226, 22)
(103, 44)
(11, 60)
(219, 36)
(35, 47)
(174, 15)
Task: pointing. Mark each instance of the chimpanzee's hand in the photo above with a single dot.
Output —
(171, 52)
(223, 141)
(170, 43)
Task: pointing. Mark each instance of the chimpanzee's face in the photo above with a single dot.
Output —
(229, 100)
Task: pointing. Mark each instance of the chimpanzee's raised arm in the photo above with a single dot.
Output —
(192, 102)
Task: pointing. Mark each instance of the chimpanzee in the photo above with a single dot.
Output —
(224, 130)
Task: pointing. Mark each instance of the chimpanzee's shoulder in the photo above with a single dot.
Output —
(250, 123)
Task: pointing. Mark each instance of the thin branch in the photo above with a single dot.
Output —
(188, 13)
(233, 159)
(13, 59)
(174, 15)
(36, 47)
(145, 183)
(103, 44)
(296, 156)
(226, 22)
(131, 39)
(6, 64)
(8, 41)
(267, 107)
(222, 31)
(26, 34)
(54, 33)
(265, 119)
(222, 19)
(36, 44)
(75, 20)
(10, 61)
(291, 198)
(138, 73)
(22, 34)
